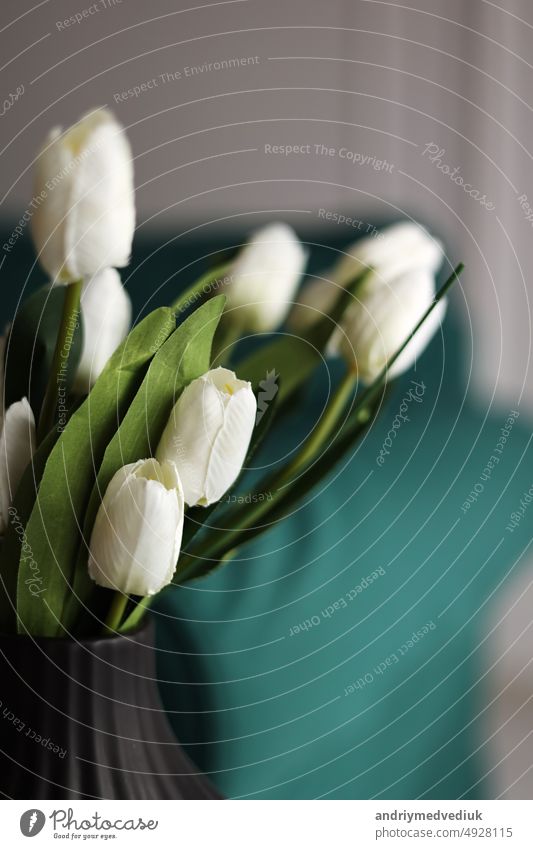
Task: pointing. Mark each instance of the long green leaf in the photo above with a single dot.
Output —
(53, 529)
(14, 540)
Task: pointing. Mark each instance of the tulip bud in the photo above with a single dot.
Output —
(136, 538)
(398, 249)
(380, 320)
(17, 444)
(264, 277)
(402, 247)
(208, 434)
(86, 218)
(106, 316)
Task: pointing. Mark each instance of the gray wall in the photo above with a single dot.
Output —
(381, 79)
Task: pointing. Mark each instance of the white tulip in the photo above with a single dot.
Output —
(402, 247)
(106, 316)
(380, 320)
(208, 434)
(17, 445)
(398, 249)
(264, 278)
(136, 538)
(85, 217)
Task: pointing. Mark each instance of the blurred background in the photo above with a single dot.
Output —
(241, 112)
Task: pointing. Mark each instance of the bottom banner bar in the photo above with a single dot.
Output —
(235, 824)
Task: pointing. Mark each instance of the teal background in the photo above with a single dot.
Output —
(265, 713)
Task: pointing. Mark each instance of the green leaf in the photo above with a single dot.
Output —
(183, 357)
(53, 529)
(31, 345)
(14, 540)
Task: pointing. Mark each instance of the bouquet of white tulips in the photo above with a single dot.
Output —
(118, 443)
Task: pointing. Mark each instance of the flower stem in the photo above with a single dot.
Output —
(137, 613)
(71, 307)
(325, 427)
(116, 612)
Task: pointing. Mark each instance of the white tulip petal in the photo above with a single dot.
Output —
(17, 445)
(136, 537)
(208, 434)
(230, 445)
(188, 437)
(86, 218)
(106, 315)
(101, 218)
(265, 276)
(382, 317)
(397, 249)
(49, 219)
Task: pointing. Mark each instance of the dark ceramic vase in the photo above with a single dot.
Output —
(84, 720)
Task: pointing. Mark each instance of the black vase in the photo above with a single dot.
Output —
(83, 719)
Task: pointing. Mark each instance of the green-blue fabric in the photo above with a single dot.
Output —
(270, 715)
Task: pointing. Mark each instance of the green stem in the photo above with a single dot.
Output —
(116, 612)
(71, 308)
(325, 427)
(137, 613)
